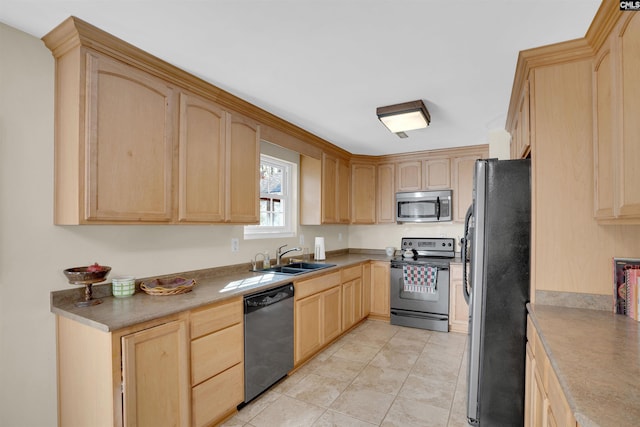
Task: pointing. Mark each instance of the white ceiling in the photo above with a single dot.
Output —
(325, 65)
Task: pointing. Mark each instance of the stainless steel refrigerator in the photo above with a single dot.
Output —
(497, 244)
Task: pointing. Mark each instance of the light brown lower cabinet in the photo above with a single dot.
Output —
(217, 354)
(380, 271)
(458, 307)
(182, 370)
(366, 289)
(545, 402)
(317, 314)
(351, 296)
(155, 373)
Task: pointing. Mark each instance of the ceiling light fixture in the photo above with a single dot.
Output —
(400, 118)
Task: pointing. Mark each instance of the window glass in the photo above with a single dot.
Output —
(277, 215)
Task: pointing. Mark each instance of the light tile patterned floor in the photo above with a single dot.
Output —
(377, 375)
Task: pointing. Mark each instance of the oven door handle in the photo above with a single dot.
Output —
(399, 266)
(421, 316)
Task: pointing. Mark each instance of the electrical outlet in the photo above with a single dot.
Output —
(339, 237)
(302, 240)
(235, 245)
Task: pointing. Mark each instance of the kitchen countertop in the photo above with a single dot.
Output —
(117, 313)
(596, 357)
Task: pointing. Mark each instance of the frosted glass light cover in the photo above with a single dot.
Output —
(405, 121)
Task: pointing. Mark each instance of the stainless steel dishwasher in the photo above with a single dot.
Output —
(268, 339)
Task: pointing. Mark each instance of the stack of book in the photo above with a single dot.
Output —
(626, 292)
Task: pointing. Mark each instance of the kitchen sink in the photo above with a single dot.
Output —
(295, 268)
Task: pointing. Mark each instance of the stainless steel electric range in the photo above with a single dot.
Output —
(420, 283)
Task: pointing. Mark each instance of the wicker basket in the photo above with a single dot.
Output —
(173, 286)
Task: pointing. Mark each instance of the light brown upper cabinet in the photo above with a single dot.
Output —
(135, 144)
(409, 175)
(344, 192)
(325, 190)
(243, 164)
(363, 194)
(329, 205)
(219, 159)
(203, 132)
(386, 194)
(616, 106)
(117, 163)
(436, 174)
(519, 125)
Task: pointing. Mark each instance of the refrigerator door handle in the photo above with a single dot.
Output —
(465, 255)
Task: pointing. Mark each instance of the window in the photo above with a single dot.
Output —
(277, 200)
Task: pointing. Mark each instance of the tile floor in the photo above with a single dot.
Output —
(376, 375)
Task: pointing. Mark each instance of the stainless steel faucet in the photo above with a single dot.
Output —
(280, 253)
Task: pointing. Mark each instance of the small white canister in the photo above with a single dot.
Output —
(123, 286)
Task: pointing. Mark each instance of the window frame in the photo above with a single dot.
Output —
(289, 200)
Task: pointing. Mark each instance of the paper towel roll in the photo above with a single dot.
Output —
(319, 249)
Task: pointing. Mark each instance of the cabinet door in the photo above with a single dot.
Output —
(329, 189)
(603, 136)
(363, 196)
(380, 289)
(386, 201)
(243, 167)
(202, 136)
(437, 174)
(409, 175)
(331, 314)
(344, 192)
(129, 128)
(308, 327)
(366, 289)
(348, 314)
(458, 310)
(358, 309)
(462, 178)
(155, 372)
(310, 190)
(629, 91)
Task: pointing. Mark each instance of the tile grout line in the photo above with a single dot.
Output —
(403, 382)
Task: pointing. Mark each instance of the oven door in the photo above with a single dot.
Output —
(435, 303)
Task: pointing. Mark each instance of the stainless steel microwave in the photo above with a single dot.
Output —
(424, 206)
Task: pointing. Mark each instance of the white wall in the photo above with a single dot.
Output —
(33, 252)
(499, 144)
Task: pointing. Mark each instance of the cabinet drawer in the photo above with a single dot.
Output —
(218, 396)
(351, 273)
(216, 317)
(213, 353)
(305, 288)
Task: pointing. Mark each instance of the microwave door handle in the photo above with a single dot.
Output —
(438, 208)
